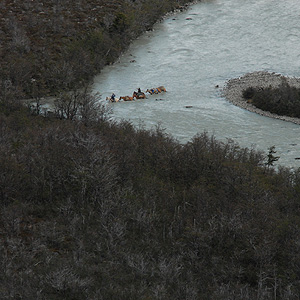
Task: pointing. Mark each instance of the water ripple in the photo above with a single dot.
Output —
(223, 39)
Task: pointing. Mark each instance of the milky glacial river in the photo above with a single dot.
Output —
(193, 51)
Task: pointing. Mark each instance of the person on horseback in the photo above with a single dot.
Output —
(113, 96)
(139, 91)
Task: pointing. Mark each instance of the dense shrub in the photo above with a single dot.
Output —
(56, 45)
(104, 210)
(249, 93)
(283, 100)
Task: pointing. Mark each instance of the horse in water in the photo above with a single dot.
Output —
(161, 89)
(110, 99)
(156, 90)
(126, 98)
(152, 91)
(139, 95)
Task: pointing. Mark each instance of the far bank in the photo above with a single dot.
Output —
(53, 46)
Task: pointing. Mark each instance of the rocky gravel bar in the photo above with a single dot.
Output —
(233, 91)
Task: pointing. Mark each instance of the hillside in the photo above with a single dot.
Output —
(100, 210)
(97, 209)
(53, 45)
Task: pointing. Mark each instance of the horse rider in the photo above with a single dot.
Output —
(113, 96)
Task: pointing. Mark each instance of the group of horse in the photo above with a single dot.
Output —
(138, 95)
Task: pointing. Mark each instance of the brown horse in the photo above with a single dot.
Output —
(161, 89)
(139, 95)
(126, 98)
(156, 90)
(152, 91)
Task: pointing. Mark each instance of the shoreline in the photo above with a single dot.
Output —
(233, 91)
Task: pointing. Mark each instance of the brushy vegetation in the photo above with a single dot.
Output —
(104, 210)
(50, 46)
(283, 100)
(94, 209)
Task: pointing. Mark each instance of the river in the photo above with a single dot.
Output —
(192, 52)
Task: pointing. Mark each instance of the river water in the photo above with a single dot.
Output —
(192, 52)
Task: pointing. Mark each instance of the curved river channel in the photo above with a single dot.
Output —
(193, 51)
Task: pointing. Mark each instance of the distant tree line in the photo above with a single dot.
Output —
(282, 100)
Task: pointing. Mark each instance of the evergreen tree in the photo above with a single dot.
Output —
(271, 157)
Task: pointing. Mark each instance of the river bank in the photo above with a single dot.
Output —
(49, 47)
(233, 91)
